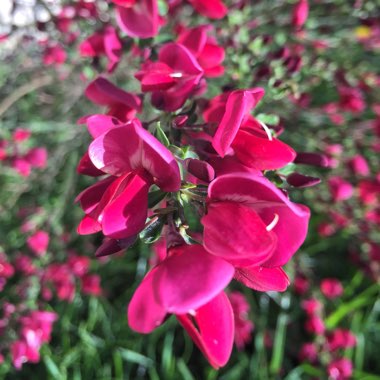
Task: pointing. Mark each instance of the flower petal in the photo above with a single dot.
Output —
(125, 215)
(131, 147)
(238, 104)
(139, 20)
(190, 278)
(263, 279)
(237, 234)
(212, 329)
(144, 312)
(267, 201)
(260, 152)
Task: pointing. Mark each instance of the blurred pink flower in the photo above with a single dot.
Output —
(331, 288)
(340, 369)
(340, 189)
(243, 326)
(38, 242)
(300, 13)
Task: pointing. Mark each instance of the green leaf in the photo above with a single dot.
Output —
(155, 197)
(135, 357)
(52, 368)
(268, 118)
(161, 136)
(152, 232)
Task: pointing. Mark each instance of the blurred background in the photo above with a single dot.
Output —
(321, 78)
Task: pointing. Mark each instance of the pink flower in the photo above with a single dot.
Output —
(358, 165)
(79, 264)
(54, 55)
(312, 306)
(308, 352)
(205, 49)
(37, 157)
(41, 322)
(19, 353)
(188, 283)
(211, 327)
(138, 18)
(331, 288)
(118, 205)
(24, 264)
(121, 104)
(22, 166)
(301, 285)
(105, 42)
(243, 326)
(91, 284)
(214, 9)
(340, 338)
(6, 269)
(315, 325)
(172, 79)
(340, 189)
(60, 277)
(266, 231)
(369, 191)
(238, 130)
(351, 99)
(36, 330)
(21, 134)
(340, 369)
(300, 13)
(38, 242)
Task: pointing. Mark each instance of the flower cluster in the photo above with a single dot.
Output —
(29, 279)
(16, 153)
(208, 158)
(326, 342)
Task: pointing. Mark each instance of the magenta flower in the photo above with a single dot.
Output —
(138, 18)
(54, 55)
(21, 134)
(36, 330)
(243, 325)
(331, 288)
(267, 228)
(340, 339)
(358, 165)
(91, 284)
(172, 79)
(37, 157)
(315, 325)
(369, 191)
(188, 283)
(340, 189)
(121, 104)
(240, 133)
(214, 9)
(340, 369)
(308, 352)
(135, 160)
(351, 100)
(211, 327)
(300, 13)
(205, 49)
(105, 42)
(38, 242)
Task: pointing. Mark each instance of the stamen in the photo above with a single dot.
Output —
(267, 130)
(273, 223)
